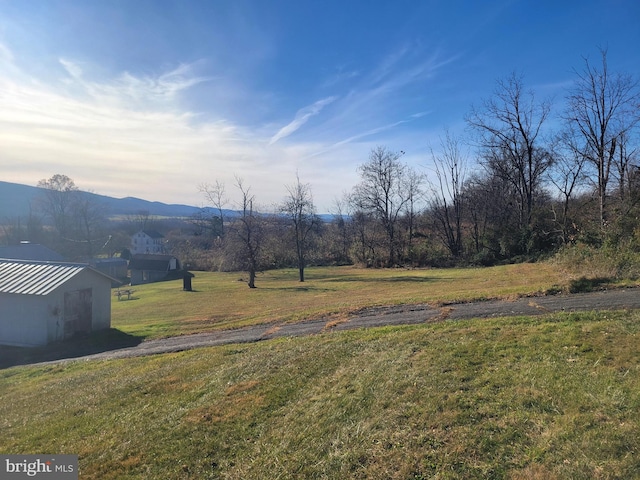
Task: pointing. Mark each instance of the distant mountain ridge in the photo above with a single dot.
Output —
(16, 200)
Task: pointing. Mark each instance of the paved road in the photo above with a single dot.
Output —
(403, 315)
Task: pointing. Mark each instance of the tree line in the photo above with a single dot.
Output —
(537, 181)
(522, 182)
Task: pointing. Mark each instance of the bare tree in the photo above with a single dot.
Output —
(341, 224)
(447, 194)
(625, 158)
(382, 192)
(603, 110)
(509, 128)
(487, 198)
(249, 231)
(567, 175)
(413, 182)
(300, 210)
(77, 216)
(89, 221)
(57, 201)
(217, 197)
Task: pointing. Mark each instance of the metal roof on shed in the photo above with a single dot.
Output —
(35, 278)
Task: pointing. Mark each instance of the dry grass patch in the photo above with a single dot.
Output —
(333, 293)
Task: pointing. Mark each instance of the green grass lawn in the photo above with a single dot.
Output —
(550, 397)
(221, 300)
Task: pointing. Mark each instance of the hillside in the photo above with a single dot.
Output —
(15, 201)
(521, 398)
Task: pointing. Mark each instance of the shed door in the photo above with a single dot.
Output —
(78, 312)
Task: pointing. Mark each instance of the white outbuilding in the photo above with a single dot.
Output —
(45, 302)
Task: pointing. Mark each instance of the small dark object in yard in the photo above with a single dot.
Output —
(120, 293)
(186, 281)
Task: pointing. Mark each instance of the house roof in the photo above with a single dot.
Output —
(150, 261)
(37, 278)
(30, 251)
(108, 261)
(152, 233)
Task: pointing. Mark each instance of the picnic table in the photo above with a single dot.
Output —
(122, 292)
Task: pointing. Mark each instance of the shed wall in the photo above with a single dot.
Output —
(25, 320)
(33, 320)
(101, 297)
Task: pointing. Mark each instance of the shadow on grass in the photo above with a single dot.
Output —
(301, 288)
(398, 279)
(583, 284)
(97, 342)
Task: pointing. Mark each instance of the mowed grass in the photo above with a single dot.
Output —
(549, 397)
(222, 300)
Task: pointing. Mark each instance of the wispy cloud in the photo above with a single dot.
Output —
(303, 115)
(139, 89)
(340, 77)
(129, 133)
(112, 134)
(129, 136)
(391, 89)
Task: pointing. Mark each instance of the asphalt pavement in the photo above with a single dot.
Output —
(617, 299)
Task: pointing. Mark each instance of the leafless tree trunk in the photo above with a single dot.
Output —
(626, 155)
(77, 217)
(509, 127)
(447, 202)
(342, 225)
(413, 188)
(249, 232)
(566, 175)
(300, 210)
(216, 196)
(602, 109)
(89, 219)
(382, 192)
(57, 201)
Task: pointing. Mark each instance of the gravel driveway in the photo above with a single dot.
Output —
(617, 299)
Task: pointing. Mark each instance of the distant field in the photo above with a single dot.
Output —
(222, 300)
(549, 397)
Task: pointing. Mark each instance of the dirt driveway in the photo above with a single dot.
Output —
(628, 298)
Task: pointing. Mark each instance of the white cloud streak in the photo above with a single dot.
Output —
(129, 88)
(303, 115)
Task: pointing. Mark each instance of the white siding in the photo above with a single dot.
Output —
(32, 320)
(25, 320)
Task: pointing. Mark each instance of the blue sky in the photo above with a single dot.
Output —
(151, 98)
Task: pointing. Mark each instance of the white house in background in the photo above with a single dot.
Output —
(147, 241)
(44, 302)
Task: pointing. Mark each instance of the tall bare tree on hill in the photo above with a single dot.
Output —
(58, 201)
(299, 209)
(249, 231)
(509, 129)
(77, 216)
(603, 109)
(216, 195)
(567, 175)
(382, 192)
(447, 200)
